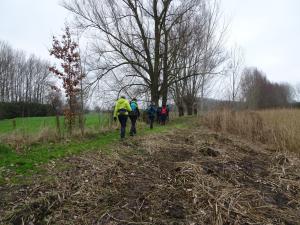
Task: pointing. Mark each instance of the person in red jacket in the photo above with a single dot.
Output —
(163, 114)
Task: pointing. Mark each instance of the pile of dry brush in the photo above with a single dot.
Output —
(191, 177)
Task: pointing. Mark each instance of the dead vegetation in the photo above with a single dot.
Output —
(192, 176)
(279, 128)
(22, 140)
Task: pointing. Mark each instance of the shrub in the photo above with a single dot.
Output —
(24, 109)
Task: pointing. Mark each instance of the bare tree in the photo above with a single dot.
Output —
(200, 58)
(258, 92)
(83, 89)
(22, 79)
(297, 92)
(235, 64)
(134, 36)
(55, 100)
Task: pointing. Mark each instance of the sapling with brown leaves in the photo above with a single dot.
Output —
(67, 51)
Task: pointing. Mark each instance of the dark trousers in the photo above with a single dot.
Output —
(133, 120)
(123, 121)
(151, 121)
(163, 119)
(158, 117)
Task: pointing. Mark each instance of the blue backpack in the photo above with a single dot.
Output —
(133, 107)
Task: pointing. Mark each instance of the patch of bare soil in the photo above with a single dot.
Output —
(185, 177)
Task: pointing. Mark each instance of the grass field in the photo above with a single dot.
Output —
(279, 128)
(14, 164)
(36, 124)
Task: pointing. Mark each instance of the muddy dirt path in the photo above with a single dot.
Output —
(187, 176)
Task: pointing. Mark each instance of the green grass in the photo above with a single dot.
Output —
(32, 125)
(27, 162)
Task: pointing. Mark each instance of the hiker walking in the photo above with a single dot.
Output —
(151, 111)
(133, 116)
(158, 115)
(122, 108)
(168, 113)
(163, 114)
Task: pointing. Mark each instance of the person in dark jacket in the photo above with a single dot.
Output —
(134, 115)
(151, 112)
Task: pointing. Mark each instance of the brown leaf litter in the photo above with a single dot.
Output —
(185, 177)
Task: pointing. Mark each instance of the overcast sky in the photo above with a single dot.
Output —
(267, 30)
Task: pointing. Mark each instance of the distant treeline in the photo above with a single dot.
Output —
(22, 78)
(260, 93)
(23, 109)
(215, 104)
(295, 105)
(219, 104)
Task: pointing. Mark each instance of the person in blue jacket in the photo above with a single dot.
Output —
(151, 112)
(133, 115)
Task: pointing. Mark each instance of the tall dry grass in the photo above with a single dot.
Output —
(278, 127)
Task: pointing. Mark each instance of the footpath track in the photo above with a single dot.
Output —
(184, 177)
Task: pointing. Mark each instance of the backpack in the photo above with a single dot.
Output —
(133, 107)
(151, 111)
(163, 111)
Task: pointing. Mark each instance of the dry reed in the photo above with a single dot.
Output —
(280, 128)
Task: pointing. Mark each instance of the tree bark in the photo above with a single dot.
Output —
(58, 125)
(180, 110)
(189, 109)
(155, 94)
(195, 109)
(81, 114)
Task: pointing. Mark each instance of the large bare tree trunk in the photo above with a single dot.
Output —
(164, 92)
(58, 125)
(180, 110)
(189, 102)
(155, 94)
(195, 110)
(81, 113)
